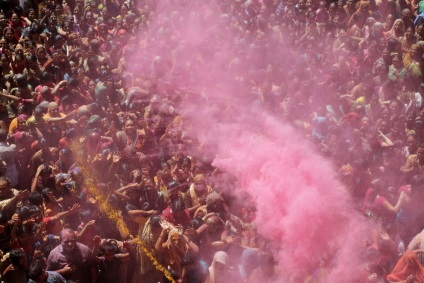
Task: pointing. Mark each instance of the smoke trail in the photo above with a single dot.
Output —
(300, 204)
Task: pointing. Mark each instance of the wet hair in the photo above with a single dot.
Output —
(35, 198)
(155, 221)
(46, 76)
(36, 269)
(43, 142)
(195, 223)
(172, 185)
(15, 256)
(45, 194)
(177, 205)
(46, 170)
(108, 247)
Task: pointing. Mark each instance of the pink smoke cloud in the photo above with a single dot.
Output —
(300, 203)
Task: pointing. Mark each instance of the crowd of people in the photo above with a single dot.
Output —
(91, 128)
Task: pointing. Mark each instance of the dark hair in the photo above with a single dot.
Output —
(66, 151)
(45, 194)
(195, 223)
(177, 205)
(155, 221)
(46, 170)
(3, 218)
(15, 256)
(108, 247)
(36, 269)
(38, 111)
(35, 198)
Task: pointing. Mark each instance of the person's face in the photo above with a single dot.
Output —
(124, 10)
(420, 30)
(200, 186)
(382, 43)
(68, 242)
(58, 10)
(91, 86)
(396, 62)
(104, 13)
(103, 31)
(175, 239)
(8, 35)
(31, 15)
(36, 217)
(41, 53)
(20, 62)
(145, 170)
(108, 256)
(219, 267)
(15, 19)
(3, 20)
(406, 14)
(390, 19)
(54, 111)
(365, 121)
(350, 4)
(89, 17)
(398, 26)
(129, 127)
(66, 27)
(54, 19)
(309, 4)
(420, 153)
(290, 14)
(4, 62)
(409, 34)
(364, 8)
(51, 26)
(5, 189)
(411, 142)
(175, 138)
(22, 124)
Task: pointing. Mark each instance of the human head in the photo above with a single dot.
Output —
(220, 262)
(5, 187)
(68, 240)
(200, 183)
(37, 271)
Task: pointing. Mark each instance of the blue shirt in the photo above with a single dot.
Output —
(52, 277)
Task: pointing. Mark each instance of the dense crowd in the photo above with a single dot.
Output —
(91, 128)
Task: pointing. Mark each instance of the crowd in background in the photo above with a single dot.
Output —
(90, 125)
